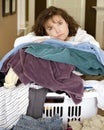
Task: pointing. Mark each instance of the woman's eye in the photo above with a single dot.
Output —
(50, 28)
(60, 23)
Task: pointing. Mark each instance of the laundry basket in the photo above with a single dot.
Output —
(62, 105)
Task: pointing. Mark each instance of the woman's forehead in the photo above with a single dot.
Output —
(54, 19)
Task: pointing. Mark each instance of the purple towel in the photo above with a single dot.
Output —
(52, 75)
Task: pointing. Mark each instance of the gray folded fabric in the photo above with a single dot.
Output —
(36, 102)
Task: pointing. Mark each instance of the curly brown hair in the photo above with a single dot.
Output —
(48, 13)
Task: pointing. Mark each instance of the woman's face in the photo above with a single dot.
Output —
(57, 27)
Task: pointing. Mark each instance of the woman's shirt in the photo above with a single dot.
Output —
(81, 36)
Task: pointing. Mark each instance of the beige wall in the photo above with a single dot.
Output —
(8, 32)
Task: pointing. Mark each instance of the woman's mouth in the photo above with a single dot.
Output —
(60, 35)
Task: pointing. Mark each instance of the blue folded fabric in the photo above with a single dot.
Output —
(4, 129)
(29, 123)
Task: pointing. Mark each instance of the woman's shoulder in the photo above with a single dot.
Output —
(83, 36)
(80, 31)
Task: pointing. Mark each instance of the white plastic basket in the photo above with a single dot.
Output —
(68, 110)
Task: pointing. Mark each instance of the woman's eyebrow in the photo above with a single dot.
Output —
(48, 26)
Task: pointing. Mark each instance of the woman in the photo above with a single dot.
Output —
(56, 23)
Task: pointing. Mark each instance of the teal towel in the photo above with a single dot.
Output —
(85, 62)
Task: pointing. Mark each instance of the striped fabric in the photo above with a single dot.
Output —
(13, 103)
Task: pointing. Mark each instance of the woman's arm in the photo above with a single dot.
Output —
(30, 37)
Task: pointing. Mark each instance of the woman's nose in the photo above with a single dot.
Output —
(57, 30)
